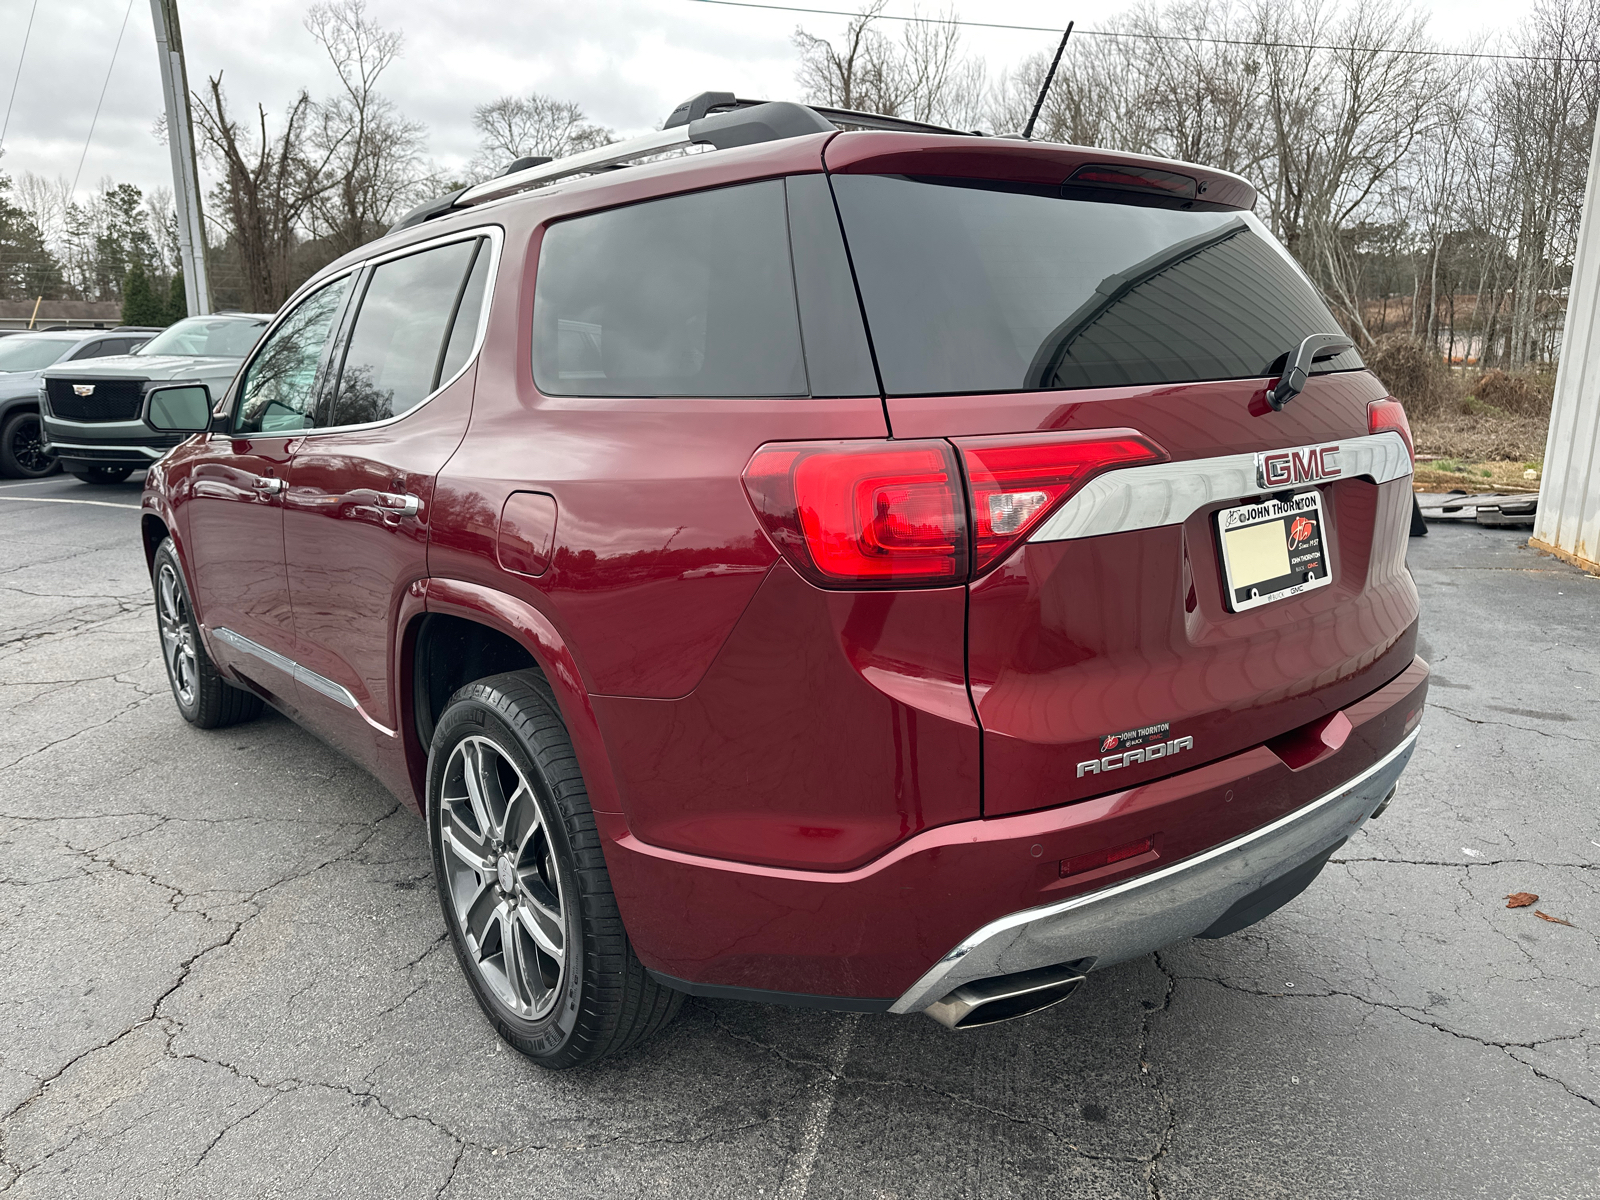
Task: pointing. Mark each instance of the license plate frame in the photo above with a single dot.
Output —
(1248, 548)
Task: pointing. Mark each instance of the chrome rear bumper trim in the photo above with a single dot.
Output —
(1169, 493)
(1150, 911)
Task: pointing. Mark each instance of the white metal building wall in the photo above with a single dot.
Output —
(1568, 523)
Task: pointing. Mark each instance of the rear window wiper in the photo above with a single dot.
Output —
(1298, 368)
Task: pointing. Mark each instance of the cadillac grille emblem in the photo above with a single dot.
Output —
(1309, 464)
(83, 389)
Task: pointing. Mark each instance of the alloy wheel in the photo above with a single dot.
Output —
(27, 447)
(503, 881)
(177, 637)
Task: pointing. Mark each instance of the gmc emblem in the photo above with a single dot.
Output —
(1285, 468)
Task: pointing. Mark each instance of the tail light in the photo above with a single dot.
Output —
(1136, 179)
(895, 514)
(1016, 482)
(1384, 415)
(863, 514)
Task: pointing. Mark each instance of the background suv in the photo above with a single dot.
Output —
(886, 570)
(93, 414)
(23, 358)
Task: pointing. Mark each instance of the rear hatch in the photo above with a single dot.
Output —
(1229, 575)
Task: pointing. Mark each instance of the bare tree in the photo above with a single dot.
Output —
(270, 181)
(372, 152)
(923, 75)
(514, 127)
(1546, 110)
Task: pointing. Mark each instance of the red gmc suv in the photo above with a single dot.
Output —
(853, 565)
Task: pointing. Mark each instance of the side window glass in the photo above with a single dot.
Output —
(398, 344)
(469, 315)
(685, 296)
(280, 383)
(90, 350)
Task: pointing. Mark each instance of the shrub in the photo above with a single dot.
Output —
(1415, 376)
(1523, 394)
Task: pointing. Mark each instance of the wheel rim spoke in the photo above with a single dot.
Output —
(477, 917)
(177, 643)
(465, 843)
(502, 877)
(543, 924)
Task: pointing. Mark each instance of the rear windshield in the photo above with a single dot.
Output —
(978, 289)
(31, 354)
(207, 337)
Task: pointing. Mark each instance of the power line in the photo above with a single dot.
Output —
(93, 121)
(1150, 37)
(16, 79)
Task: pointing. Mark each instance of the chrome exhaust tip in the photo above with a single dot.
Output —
(1006, 997)
(1387, 800)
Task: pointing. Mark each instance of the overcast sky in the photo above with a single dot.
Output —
(627, 62)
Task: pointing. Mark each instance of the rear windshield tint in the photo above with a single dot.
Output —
(686, 296)
(977, 289)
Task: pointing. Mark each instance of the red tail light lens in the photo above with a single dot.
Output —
(863, 514)
(1017, 482)
(1388, 414)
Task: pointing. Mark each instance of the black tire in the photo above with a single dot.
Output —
(22, 453)
(100, 475)
(202, 695)
(544, 879)
(1419, 526)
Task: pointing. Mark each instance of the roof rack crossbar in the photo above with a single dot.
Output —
(742, 126)
(863, 120)
(715, 119)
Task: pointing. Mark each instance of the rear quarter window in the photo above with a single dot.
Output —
(992, 289)
(684, 296)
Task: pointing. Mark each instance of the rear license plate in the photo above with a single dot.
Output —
(1273, 550)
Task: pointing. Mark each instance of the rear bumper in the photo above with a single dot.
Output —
(978, 898)
(1184, 900)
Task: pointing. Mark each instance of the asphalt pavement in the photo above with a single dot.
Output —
(223, 970)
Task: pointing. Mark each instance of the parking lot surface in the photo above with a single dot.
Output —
(226, 974)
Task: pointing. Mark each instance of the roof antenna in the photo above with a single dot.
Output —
(1049, 78)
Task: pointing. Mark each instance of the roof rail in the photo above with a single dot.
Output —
(716, 119)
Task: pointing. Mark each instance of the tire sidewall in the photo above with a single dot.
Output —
(543, 1038)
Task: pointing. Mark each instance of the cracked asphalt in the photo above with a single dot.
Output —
(224, 970)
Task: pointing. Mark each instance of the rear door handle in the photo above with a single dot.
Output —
(402, 505)
(268, 486)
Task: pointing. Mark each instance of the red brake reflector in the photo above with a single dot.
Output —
(1017, 482)
(1080, 863)
(1389, 414)
(1136, 179)
(863, 514)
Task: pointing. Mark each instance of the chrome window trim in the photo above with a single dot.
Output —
(496, 236)
(288, 666)
(1169, 493)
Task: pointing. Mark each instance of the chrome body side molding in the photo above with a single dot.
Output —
(1169, 493)
(288, 666)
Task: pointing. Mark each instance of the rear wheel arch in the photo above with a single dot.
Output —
(501, 629)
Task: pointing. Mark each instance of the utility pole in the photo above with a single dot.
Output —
(180, 141)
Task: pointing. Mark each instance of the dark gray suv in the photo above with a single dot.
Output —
(23, 359)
